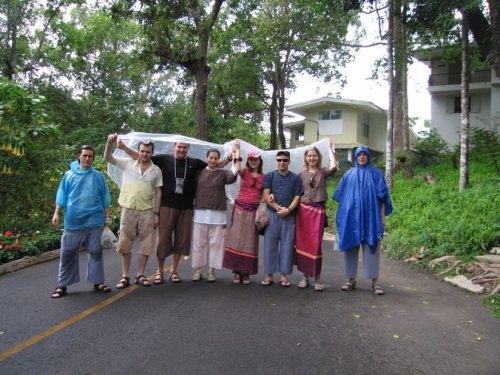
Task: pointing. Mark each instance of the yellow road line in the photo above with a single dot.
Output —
(64, 324)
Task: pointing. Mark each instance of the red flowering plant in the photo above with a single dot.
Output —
(10, 247)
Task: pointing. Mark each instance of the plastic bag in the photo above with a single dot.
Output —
(261, 216)
(108, 239)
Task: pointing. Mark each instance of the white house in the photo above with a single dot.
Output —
(349, 123)
(445, 88)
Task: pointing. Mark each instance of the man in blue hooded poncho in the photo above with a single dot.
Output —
(84, 196)
(364, 201)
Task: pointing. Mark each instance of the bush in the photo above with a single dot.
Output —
(16, 246)
(440, 218)
(429, 150)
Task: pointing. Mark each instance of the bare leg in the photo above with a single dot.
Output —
(141, 264)
(126, 258)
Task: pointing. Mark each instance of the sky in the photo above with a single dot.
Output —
(360, 87)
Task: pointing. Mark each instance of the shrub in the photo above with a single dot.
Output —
(429, 150)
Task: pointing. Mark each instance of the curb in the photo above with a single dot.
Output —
(25, 262)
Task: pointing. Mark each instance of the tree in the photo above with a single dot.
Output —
(24, 29)
(464, 117)
(389, 145)
(293, 36)
(26, 138)
(179, 34)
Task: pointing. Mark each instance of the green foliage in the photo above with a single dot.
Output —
(493, 303)
(440, 218)
(26, 155)
(16, 246)
(429, 150)
(485, 147)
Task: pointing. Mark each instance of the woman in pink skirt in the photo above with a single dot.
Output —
(311, 217)
(242, 248)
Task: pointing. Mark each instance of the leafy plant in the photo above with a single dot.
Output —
(430, 149)
(493, 302)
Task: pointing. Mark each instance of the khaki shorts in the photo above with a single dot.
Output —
(135, 224)
(175, 231)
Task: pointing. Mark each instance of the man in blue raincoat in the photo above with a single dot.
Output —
(364, 201)
(84, 197)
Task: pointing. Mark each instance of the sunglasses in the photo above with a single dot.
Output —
(282, 160)
(311, 182)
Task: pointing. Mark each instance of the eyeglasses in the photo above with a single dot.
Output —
(311, 182)
(282, 160)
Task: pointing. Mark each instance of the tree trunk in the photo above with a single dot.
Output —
(273, 115)
(464, 129)
(399, 63)
(495, 26)
(390, 114)
(281, 110)
(201, 73)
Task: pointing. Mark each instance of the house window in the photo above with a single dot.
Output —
(366, 125)
(299, 136)
(473, 103)
(335, 114)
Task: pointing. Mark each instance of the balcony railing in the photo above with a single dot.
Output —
(479, 76)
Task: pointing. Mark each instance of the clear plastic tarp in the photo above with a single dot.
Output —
(164, 144)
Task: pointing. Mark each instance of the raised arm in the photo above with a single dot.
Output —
(122, 146)
(333, 161)
(108, 153)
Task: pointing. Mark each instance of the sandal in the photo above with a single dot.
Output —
(303, 284)
(284, 283)
(174, 278)
(267, 282)
(142, 280)
(237, 278)
(158, 279)
(59, 292)
(348, 286)
(245, 279)
(211, 277)
(102, 288)
(123, 283)
(197, 276)
(377, 290)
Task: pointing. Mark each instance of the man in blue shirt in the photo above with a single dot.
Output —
(84, 196)
(281, 190)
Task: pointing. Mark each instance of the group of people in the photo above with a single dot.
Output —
(185, 199)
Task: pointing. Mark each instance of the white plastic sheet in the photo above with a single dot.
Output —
(164, 144)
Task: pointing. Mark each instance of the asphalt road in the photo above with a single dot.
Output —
(421, 326)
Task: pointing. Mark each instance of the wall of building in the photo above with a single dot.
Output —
(448, 124)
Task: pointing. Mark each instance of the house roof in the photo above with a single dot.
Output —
(362, 104)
